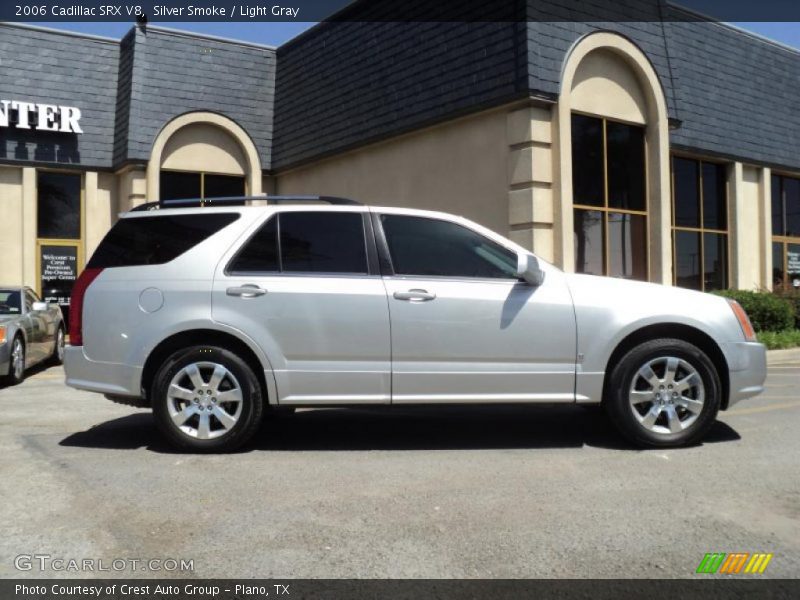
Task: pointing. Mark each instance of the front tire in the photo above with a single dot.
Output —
(16, 363)
(664, 393)
(206, 399)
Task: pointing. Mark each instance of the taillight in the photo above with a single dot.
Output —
(76, 305)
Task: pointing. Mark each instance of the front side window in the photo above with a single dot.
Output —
(609, 197)
(700, 224)
(785, 232)
(424, 247)
(305, 242)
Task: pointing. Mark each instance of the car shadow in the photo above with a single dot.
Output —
(29, 372)
(399, 429)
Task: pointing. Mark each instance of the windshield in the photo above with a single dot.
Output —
(10, 303)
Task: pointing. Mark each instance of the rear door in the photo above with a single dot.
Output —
(305, 287)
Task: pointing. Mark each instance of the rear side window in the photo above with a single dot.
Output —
(156, 240)
(305, 242)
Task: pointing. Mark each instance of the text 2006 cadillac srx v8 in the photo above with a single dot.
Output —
(217, 316)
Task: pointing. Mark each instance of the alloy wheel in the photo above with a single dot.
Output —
(667, 395)
(60, 345)
(18, 359)
(204, 400)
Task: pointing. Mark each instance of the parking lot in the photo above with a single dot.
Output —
(443, 492)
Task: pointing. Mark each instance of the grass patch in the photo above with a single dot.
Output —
(778, 340)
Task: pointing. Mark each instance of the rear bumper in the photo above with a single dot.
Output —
(102, 377)
(747, 366)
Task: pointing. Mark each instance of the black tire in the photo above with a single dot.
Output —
(57, 358)
(243, 379)
(697, 421)
(13, 378)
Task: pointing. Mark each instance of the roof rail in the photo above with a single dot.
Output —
(198, 202)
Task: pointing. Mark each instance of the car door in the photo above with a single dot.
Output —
(305, 286)
(464, 327)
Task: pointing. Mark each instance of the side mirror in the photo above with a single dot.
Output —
(40, 306)
(528, 269)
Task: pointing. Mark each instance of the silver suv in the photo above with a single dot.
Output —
(216, 316)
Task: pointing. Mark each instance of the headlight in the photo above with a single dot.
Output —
(744, 320)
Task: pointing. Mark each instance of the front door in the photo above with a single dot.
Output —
(464, 328)
(302, 288)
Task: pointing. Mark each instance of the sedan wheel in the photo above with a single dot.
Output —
(16, 366)
(58, 352)
(206, 399)
(663, 393)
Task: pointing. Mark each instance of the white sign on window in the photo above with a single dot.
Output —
(43, 117)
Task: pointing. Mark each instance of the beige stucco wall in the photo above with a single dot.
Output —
(604, 84)
(11, 247)
(204, 147)
(459, 167)
(100, 210)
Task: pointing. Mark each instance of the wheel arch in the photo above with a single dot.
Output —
(199, 337)
(680, 331)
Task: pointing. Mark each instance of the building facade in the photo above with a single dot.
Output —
(664, 149)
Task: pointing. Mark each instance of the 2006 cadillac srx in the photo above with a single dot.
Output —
(215, 316)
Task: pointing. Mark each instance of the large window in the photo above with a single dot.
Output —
(58, 206)
(785, 232)
(425, 247)
(700, 224)
(609, 197)
(305, 242)
(181, 185)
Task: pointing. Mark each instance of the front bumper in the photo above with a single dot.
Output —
(747, 369)
(102, 377)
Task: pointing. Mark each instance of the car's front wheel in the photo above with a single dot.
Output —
(664, 393)
(206, 399)
(16, 363)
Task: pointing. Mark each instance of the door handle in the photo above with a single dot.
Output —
(247, 290)
(415, 295)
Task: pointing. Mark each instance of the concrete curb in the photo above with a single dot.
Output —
(779, 357)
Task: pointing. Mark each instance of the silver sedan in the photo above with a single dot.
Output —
(31, 332)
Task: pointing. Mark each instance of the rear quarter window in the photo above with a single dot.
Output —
(155, 240)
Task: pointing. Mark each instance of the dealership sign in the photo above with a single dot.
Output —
(44, 117)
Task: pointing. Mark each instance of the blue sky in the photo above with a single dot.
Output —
(274, 34)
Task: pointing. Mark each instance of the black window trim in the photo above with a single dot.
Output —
(369, 248)
(387, 268)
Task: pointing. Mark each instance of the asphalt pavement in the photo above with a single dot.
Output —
(504, 492)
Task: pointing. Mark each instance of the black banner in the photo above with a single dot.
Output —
(406, 589)
(165, 11)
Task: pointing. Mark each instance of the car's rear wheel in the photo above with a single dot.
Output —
(16, 362)
(664, 393)
(207, 399)
(58, 351)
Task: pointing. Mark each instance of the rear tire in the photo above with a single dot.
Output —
(664, 393)
(58, 352)
(206, 399)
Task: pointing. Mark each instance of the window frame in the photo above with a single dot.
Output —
(702, 229)
(78, 243)
(373, 269)
(202, 175)
(605, 209)
(783, 240)
(387, 267)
